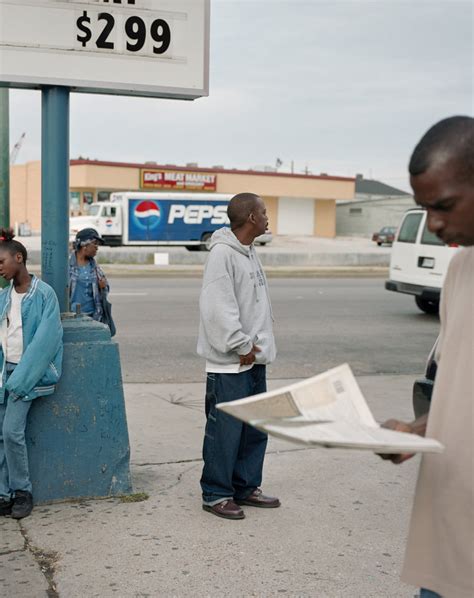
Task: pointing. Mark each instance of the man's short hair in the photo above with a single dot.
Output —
(240, 207)
(449, 139)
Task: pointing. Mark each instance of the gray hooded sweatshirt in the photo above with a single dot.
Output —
(234, 304)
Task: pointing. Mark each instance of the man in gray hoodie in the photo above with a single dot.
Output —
(236, 338)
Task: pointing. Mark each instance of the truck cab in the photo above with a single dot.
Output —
(105, 217)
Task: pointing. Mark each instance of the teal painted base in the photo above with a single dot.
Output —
(78, 438)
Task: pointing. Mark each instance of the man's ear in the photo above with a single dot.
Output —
(252, 217)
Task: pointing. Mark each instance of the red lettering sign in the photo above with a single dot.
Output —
(178, 180)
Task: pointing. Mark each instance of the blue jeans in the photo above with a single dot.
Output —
(14, 471)
(233, 451)
(428, 594)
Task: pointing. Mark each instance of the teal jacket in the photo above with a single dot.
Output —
(40, 365)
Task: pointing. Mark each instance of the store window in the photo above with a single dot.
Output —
(74, 199)
(88, 197)
(74, 203)
(103, 195)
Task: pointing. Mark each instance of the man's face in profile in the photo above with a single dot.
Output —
(260, 217)
(449, 200)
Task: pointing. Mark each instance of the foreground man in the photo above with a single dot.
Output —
(236, 338)
(440, 555)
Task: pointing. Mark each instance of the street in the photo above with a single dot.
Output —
(319, 323)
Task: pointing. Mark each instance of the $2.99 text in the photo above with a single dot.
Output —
(135, 29)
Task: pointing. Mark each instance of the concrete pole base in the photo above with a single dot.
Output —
(77, 438)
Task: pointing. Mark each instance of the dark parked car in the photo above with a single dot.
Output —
(423, 387)
(385, 235)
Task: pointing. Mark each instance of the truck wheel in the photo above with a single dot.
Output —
(206, 241)
(427, 305)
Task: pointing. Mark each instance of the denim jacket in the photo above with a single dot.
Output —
(40, 366)
(73, 280)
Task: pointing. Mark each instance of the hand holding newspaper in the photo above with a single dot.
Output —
(327, 410)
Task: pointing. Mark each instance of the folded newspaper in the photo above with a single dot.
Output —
(327, 410)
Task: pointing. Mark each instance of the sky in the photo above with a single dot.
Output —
(339, 87)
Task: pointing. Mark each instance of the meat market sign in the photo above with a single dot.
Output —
(178, 180)
(156, 48)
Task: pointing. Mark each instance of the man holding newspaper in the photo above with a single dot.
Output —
(439, 556)
(236, 338)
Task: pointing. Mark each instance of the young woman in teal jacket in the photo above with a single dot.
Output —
(30, 365)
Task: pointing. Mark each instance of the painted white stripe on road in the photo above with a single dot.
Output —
(131, 294)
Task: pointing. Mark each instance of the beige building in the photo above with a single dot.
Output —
(297, 204)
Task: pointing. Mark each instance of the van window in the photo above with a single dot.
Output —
(409, 228)
(429, 238)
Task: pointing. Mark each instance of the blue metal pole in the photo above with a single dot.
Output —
(55, 191)
(4, 157)
(4, 163)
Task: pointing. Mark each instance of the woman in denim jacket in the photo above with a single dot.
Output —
(86, 277)
(30, 359)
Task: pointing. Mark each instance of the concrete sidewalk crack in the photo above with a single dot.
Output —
(178, 480)
(166, 462)
(199, 459)
(46, 561)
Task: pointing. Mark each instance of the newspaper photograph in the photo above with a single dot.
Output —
(328, 410)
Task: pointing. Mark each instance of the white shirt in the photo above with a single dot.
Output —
(229, 368)
(15, 328)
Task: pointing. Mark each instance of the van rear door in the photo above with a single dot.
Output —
(418, 257)
(404, 258)
(433, 257)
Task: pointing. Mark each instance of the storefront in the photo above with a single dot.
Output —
(297, 204)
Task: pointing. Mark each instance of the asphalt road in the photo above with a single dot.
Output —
(319, 323)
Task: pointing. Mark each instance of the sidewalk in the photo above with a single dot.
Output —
(340, 531)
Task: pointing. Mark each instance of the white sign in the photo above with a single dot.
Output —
(131, 47)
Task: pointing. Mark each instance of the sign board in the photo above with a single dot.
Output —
(178, 180)
(157, 48)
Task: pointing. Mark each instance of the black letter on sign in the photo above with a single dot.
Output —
(102, 39)
(135, 28)
(163, 37)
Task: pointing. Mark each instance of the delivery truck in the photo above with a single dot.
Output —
(159, 218)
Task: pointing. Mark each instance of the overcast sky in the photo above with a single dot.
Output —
(340, 87)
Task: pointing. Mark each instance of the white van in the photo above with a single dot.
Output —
(419, 261)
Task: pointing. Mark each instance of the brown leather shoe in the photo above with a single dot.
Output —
(226, 509)
(258, 499)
